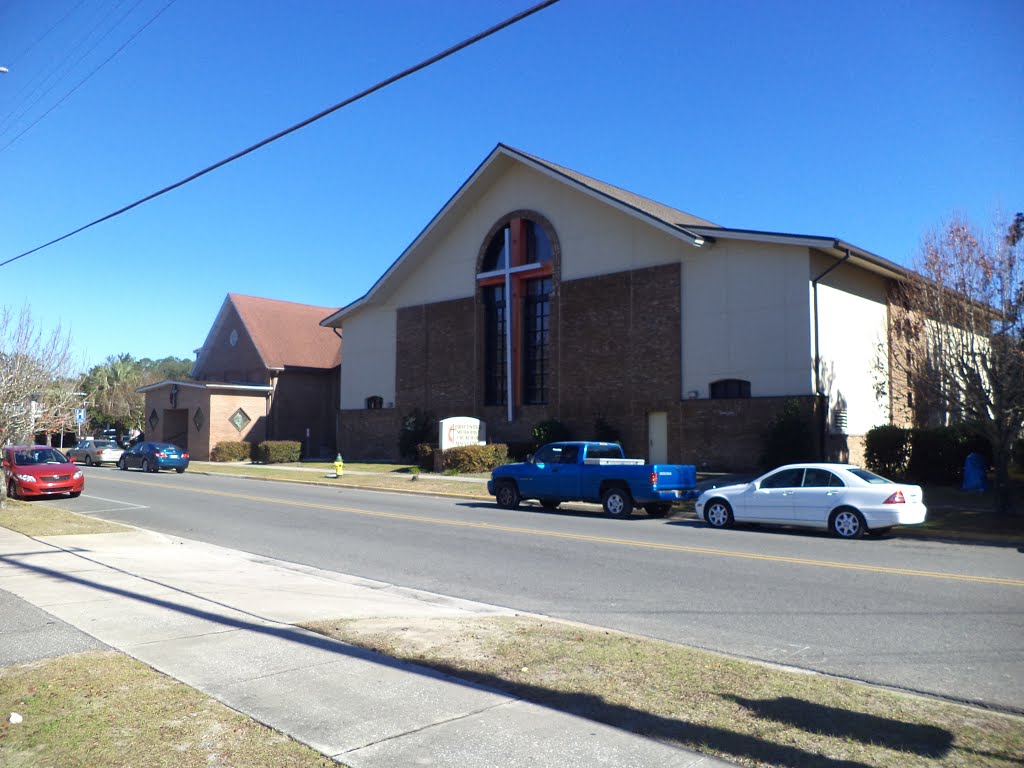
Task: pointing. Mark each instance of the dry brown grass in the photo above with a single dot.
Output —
(38, 519)
(749, 713)
(106, 709)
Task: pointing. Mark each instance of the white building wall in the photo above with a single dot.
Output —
(746, 316)
(368, 357)
(852, 322)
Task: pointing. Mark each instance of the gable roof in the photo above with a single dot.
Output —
(687, 227)
(284, 333)
(666, 218)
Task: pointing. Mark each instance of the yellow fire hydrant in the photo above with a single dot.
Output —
(339, 466)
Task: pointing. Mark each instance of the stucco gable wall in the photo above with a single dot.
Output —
(852, 322)
(746, 315)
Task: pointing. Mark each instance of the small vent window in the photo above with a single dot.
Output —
(374, 402)
(839, 420)
(729, 388)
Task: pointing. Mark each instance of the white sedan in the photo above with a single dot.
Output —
(847, 500)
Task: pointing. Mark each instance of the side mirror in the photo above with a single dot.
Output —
(529, 458)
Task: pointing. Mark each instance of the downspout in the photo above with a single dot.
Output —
(817, 354)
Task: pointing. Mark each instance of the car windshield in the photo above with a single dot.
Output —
(39, 456)
(105, 444)
(869, 477)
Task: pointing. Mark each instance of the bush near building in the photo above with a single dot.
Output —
(231, 451)
(924, 455)
(475, 458)
(277, 451)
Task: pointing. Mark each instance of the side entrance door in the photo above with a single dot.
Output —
(657, 437)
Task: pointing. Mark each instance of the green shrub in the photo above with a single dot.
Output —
(425, 457)
(417, 427)
(887, 450)
(789, 438)
(278, 451)
(474, 458)
(230, 450)
(606, 432)
(937, 454)
(550, 431)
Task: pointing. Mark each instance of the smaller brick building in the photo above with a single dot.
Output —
(267, 371)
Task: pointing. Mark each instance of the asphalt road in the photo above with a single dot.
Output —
(932, 617)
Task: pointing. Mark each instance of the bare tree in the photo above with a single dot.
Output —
(960, 335)
(37, 388)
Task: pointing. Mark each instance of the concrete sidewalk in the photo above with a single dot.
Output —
(221, 620)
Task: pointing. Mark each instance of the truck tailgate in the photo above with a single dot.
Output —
(676, 476)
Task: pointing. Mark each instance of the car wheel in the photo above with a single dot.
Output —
(180, 470)
(122, 463)
(660, 509)
(617, 502)
(508, 495)
(847, 523)
(12, 491)
(550, 504)
(145, 466)
(88, 460)
(75, 494)
(718, 513)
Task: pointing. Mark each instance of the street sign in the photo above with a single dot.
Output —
(80, 415)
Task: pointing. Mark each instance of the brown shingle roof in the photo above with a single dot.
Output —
(288, 334)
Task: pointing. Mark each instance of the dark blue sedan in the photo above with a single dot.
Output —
(152, 457)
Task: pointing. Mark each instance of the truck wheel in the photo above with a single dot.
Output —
(660, 509)
(617, 502)
(550, 504)
(507, 495)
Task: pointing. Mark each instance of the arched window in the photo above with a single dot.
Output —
(516, 282)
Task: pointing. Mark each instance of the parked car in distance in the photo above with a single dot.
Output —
(844, 499)
(152, 457)
(92, 450)
(32, 471)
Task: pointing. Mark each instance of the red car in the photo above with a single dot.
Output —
(32, 471)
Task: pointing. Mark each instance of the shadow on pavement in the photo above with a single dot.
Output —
(682, 733)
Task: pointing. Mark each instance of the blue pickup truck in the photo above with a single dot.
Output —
(594, 472)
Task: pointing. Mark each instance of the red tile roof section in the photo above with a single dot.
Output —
(289, 334)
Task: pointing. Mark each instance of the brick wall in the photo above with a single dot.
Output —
(238, 363)
(369, 435)
(305, 400)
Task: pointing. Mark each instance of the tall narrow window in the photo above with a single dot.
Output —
(516, 283)
(496, 384)
(536, 340)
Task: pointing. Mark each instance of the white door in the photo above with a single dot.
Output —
(657, 437)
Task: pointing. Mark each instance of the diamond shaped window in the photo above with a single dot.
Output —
(153, 419)
(199, 419)
(239, 419)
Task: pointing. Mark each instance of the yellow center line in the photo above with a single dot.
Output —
(598, 539)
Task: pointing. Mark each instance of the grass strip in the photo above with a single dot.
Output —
(383, 481)
(36, 519)
(106, 709)
(748, 713)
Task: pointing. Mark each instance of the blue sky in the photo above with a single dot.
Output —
(869, 121)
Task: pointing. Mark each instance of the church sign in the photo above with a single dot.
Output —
(457, 431)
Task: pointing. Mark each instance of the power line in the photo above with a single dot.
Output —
(96, 69)
(308, 121)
